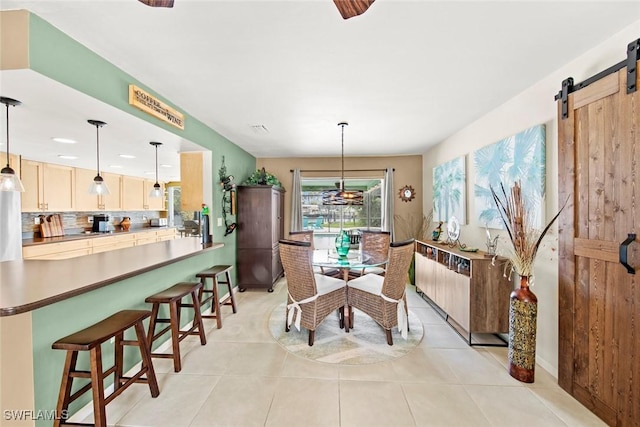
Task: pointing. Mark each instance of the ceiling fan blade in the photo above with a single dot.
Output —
(350, 8)
(157, 3)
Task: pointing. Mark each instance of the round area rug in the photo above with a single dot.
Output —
(366, 343)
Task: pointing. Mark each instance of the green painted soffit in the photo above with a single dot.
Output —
(58, 56)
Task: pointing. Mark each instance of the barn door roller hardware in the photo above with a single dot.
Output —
(633, 56)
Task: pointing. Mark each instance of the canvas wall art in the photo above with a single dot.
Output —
(449, 184)
(520, 157)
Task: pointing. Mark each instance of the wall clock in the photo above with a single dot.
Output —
(407, 193)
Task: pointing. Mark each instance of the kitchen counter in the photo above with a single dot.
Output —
(91, 235)
(27, 285)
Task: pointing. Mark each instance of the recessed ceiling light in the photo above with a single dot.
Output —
(64, 156)
(65, 140)
(166, 166)
(116, 166)
(127, 156)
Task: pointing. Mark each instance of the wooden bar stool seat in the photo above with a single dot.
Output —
(173, 296)
(90, 339)
(213, 273)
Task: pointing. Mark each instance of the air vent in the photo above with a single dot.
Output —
(259, 129)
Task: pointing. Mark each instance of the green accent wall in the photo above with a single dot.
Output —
(57, 56)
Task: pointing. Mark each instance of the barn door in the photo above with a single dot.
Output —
(599, 170)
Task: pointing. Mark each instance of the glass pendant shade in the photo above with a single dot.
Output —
(99, 187)
(157, 190)
(9, 181)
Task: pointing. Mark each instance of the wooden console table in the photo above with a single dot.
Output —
(466, 289)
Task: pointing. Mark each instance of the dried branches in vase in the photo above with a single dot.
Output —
(523, 304)
(525, 238)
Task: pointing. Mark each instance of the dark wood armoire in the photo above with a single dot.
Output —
(599, 259)
(260, 227)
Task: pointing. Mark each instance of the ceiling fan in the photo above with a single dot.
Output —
(347, 8)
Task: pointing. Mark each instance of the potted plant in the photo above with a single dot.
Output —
(262, 177)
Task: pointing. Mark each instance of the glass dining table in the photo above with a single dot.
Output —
(329, 259)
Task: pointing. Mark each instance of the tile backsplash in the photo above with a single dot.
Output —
(79, 221)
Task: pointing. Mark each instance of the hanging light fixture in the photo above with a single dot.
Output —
(9, 181)
(98, 186)
(344, 196)
(157, 190)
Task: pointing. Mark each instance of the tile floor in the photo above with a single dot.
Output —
(242, 377)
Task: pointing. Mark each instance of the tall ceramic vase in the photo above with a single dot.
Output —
(523, 313)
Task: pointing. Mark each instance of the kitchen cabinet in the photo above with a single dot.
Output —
(90, 202)
(48, 187)
(135, 195)
(109, 243)
(93, 244)
(58, 250)
(260, 227)
(467, 288)
(191, 181)
(166, 234)
(132, 193)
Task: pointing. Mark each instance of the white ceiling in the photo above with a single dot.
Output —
(405, 74)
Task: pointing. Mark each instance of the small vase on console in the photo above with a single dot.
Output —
(343, 243)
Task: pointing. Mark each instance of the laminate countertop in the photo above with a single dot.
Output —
(26, 285)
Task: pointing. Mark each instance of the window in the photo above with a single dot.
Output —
(327, 218)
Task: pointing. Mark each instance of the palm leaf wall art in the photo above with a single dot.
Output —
(449, 185)
(517, 158)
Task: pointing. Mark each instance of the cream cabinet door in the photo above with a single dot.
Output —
(133, 193)
(112, 202)
(31, 176)
(48, 187)
(84, 200)
(58, 182)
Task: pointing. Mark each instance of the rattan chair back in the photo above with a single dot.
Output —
(302, 236)
(395, 278)
(376, 243)
(296, 261)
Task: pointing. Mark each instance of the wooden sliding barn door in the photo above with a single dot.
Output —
(599, 170)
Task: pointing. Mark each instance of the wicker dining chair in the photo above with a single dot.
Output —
(384, 298)
(376, 245)
(311, 297)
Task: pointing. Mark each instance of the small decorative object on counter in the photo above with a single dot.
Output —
(492, 244)
(435, 236)
(125, 223)
(343, 243)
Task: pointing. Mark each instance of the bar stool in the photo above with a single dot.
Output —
(213, 273)
(173, 296)
(91, 339)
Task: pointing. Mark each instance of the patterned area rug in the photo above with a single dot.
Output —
(366, 343)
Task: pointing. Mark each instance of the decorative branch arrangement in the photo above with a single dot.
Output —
(525, 238)
(228, 197)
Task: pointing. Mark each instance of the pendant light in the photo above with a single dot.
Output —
(98, 186)
(157, 190)
(9, 181)
(341, 184)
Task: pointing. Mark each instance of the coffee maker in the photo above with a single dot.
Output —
(100, 224)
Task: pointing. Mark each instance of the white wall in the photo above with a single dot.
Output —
(534, 106)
